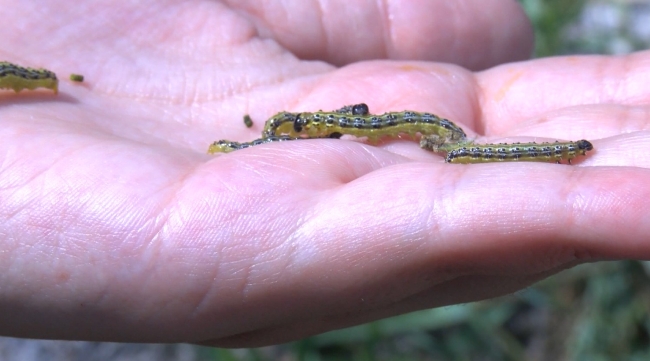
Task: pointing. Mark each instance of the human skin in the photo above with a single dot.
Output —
(116, 226)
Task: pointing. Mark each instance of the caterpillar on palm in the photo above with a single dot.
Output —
(437, 135)
(352, 120)
(225, 146)
(18, 78)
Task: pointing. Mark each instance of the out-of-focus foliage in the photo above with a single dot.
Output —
(550, 19)
(589, 27)
(596, 312)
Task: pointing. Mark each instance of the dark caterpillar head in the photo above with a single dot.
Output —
(584, 145)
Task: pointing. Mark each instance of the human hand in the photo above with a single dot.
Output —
(116, 225)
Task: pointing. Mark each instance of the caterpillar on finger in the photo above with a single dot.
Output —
(525, 152)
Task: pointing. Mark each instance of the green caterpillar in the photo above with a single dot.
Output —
(353, 120)
(525, 152)
(18, 78)
(437, 135)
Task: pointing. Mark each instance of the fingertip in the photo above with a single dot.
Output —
(474, 35)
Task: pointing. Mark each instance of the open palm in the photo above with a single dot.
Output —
(115, 224)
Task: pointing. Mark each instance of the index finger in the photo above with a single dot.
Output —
(517, 92)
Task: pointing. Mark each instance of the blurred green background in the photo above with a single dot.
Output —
(592, 312)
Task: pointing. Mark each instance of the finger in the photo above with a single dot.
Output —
(618, 133)
(593, 121)
(467, 33)
(519, 92)
(626, 150)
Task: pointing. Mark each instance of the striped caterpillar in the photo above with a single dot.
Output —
(352, 120)
(528, 152)
(437, 135)
(18, 78)
(225, 146)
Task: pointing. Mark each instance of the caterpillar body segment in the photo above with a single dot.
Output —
(527, 152)
(226, 146)
(17, 78)
(324, 124)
